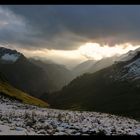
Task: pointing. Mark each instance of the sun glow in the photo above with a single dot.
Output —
(85, 52)
(96, 51)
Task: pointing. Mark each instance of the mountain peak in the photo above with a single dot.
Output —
(8, 55)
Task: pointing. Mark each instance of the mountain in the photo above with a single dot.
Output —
(129, 55)
(11, 92)
(115, 89)
(91, 66)
(59, 74)
(23, 74)
(9, 56)
(83, 67)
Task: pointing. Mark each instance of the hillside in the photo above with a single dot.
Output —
(22, 119)
(9, 91)
(91, 66)
(23, 74)
(114, 89)
(58, 74)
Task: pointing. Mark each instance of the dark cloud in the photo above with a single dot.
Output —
(67, 27)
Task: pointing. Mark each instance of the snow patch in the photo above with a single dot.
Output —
(10, 57)
(133, 70)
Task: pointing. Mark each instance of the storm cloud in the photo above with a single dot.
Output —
(66, 27)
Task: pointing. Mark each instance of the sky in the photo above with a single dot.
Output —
(70, 34)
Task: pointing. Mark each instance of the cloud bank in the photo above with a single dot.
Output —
(57, 31)
(67, 27)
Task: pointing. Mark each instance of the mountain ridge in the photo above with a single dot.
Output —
(25, 75)
(102, 91)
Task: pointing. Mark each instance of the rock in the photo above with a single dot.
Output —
(42, 132)
(60, 133)
(18, 129)
(50, 132)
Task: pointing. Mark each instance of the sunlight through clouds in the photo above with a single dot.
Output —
(88, 51)
(96, 51)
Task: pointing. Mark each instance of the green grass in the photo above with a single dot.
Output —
(20, 95)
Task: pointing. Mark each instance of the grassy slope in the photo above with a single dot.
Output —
(25, 98)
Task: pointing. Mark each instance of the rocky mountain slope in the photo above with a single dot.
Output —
(114, 89)
(23, 74)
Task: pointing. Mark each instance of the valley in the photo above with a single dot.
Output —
(101, 102)
(70, 70)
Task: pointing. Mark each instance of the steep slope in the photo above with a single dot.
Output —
(59, 74)
(13, 93)
(128, 56)
(23, 74)
(83, 67)
(114, 89)
(92, 66)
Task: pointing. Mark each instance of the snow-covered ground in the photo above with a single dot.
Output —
(20, 119)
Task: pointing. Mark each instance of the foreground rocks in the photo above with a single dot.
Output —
(20, 119)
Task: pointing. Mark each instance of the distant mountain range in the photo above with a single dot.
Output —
(32, 76)
(114, 89)
(59, 75)
(23, 74)
(110, 85)
(91, 66)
